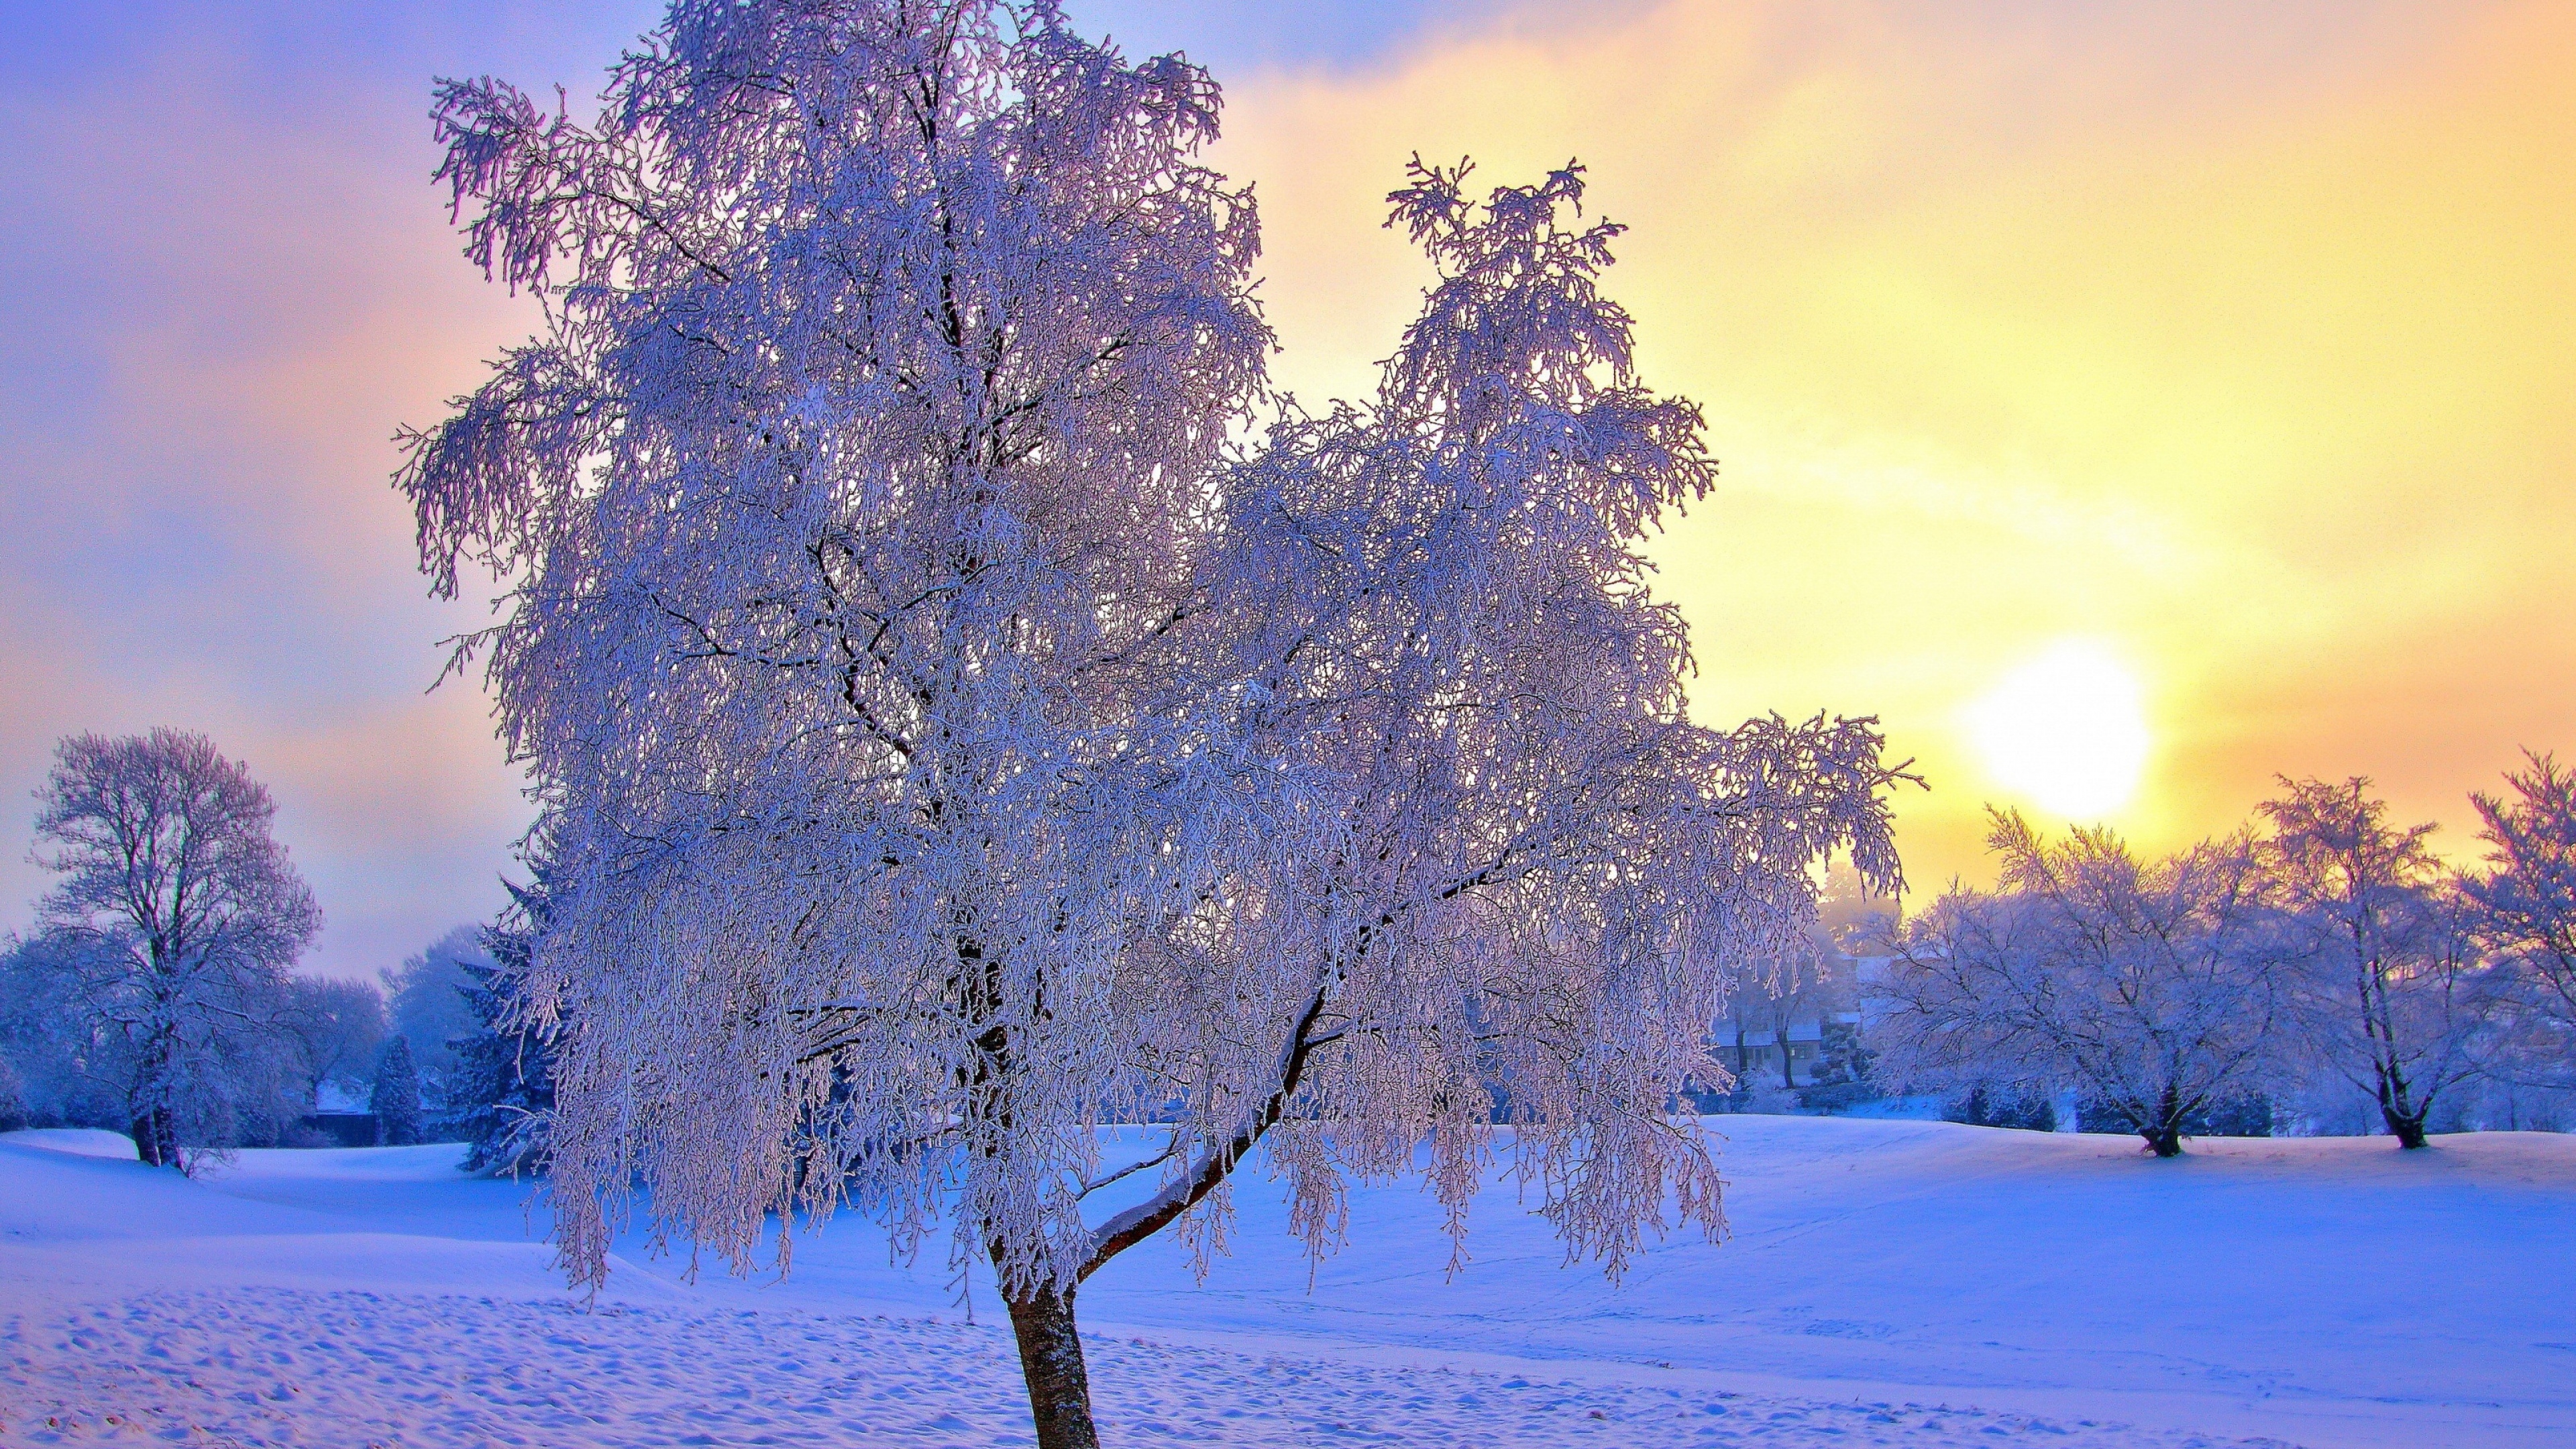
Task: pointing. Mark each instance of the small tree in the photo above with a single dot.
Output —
(2385, 987)
(948, 749)
(174, 922)
(396, 1097)
(2525, 912)
(2149, 986)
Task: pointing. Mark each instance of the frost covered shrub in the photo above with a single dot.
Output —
(1986, 1106)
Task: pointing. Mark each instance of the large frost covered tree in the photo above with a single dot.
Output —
(173, 921)
(948, 746)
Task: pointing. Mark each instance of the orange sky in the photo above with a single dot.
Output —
(2230, 342)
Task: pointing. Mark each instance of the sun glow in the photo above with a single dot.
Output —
(2067, 729)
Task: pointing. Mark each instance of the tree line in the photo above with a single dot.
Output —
(155, 994)
(2324, 939)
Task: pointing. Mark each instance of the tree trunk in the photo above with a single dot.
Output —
(1051, 1360)
(2408, 1130)
(2164, 1133)
(156, 1138)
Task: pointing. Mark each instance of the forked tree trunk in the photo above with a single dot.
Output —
(2163, 1131)
(2408, 1130)
(1051, 1360)
(153, 1140)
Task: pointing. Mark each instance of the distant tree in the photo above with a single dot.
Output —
(956, 750)
(396, 1097)
(2525, 904)
(13, 1097)
(426, 1000)
(1797, 987)
(2149, 986)
(2385, 988)
(2020, 1108)
(337, 1027)
(173, 924)
(1844, 1059)
(67, 1058)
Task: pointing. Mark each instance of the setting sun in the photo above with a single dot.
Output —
(2067, 729)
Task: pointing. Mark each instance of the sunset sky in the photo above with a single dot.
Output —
(2126, 403)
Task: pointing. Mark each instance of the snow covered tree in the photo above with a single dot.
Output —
(948, 750)
(173, 924)
(13, 1097)
(2526, 913)
(337, 1028)
(395, 1098)
(505, 1092)
(2151, 987)
(426, 1001)
(2384, 986)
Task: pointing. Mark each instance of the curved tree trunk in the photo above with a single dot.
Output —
(1051, 1360)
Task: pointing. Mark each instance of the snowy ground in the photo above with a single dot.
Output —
(1888, 1283)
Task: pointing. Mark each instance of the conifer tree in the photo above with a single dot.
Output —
(396, 1098)
(505, 1067)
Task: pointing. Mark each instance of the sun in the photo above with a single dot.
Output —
(2066, 728)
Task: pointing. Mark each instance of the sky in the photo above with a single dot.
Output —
(2126, 404)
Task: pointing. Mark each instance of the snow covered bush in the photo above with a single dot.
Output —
(2018, 1108)
(2149, 986)
(948, 747)
(168, 935)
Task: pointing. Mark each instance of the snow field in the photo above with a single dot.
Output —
(291, 1367)
(2329, 1293)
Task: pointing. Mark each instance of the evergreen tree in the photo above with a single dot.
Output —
(1988, 1105)
(505, 1090)
(396, 1099)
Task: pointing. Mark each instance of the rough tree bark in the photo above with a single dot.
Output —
(1051, 1360)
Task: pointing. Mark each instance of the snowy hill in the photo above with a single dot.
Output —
(1900, 1283)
